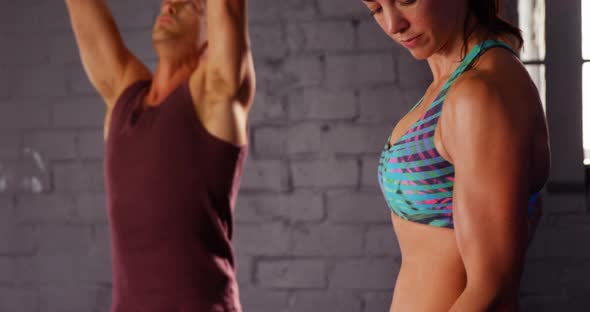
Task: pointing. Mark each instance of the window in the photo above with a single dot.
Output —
(586, 79)
(531, 19)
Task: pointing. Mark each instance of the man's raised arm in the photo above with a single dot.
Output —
(107, 62)
(229, 60)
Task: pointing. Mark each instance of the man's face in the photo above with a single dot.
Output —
(179, 20)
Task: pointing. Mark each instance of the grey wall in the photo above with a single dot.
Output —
(312, 230)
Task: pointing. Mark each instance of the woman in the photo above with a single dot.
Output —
(462, 170)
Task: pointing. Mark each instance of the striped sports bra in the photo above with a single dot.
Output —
(416, 181)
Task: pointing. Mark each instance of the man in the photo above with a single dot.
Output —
(176, 142)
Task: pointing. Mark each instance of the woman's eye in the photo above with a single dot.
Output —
(376, 11)
(407, 2)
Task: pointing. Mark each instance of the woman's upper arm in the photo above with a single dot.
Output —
(490, 147)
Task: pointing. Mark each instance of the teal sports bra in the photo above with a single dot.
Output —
(416, 181)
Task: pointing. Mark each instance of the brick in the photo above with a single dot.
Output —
(364, 274)
(372, 38)
(542, 277)
(555, 302)
(299, 206)
(39, 82)
(385, 104)
(563, 203)
(90, 207)
(55, 17)
(325, 173)
(273, 11)
(377, 301)
(575, 279)
(303, 71)
(101, 242)
(342, 8)
(319, 36)
(25, 270)
(96, 267)
(320, 104)
(289, 74)
(412, 73)
(63, 49)
(381, 240)
(342, 301)
(578, 219)
(5, 83)
(90, 267)
(268, 108)
(80, 112)
(264, 300)
(353, 207)
(10, 144)
(63, 240)
(139, 43)
(7, 206)
(25, 50)
(24, 114)
(79, 177)
(244, 270)
(19, 299)
(303, 206)
(556, 242)
(35, 209)
(268, 41)
(265, 239)
(258, 208)
(11, 19)
(291, 274)
(369, 165)
(57, 145)
(133, 14)
(327, 240)
(91, 144)
(303, 139)
(359, 70)
(66, 298)
(300, 139)
(32, 173)
(353, 139)
(270, 141)
(16, 239)
(265, 175)
(53, 269)
(7, 270)
(78, 83)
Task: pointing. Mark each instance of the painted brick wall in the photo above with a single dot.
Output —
(312, 230)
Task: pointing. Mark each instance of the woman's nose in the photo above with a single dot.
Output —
(395, 22)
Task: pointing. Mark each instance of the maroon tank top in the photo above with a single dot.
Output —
(171, 189)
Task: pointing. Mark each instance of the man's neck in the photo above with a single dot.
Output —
(171, 71)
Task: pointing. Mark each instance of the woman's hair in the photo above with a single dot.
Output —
(487, 14)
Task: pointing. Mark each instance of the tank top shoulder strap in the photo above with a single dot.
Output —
(471, 57)
(434, 110)
(127, 102)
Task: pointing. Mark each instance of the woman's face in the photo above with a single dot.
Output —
(422, 26)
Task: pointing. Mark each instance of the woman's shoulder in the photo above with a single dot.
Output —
(497, 74)
(497, 88)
